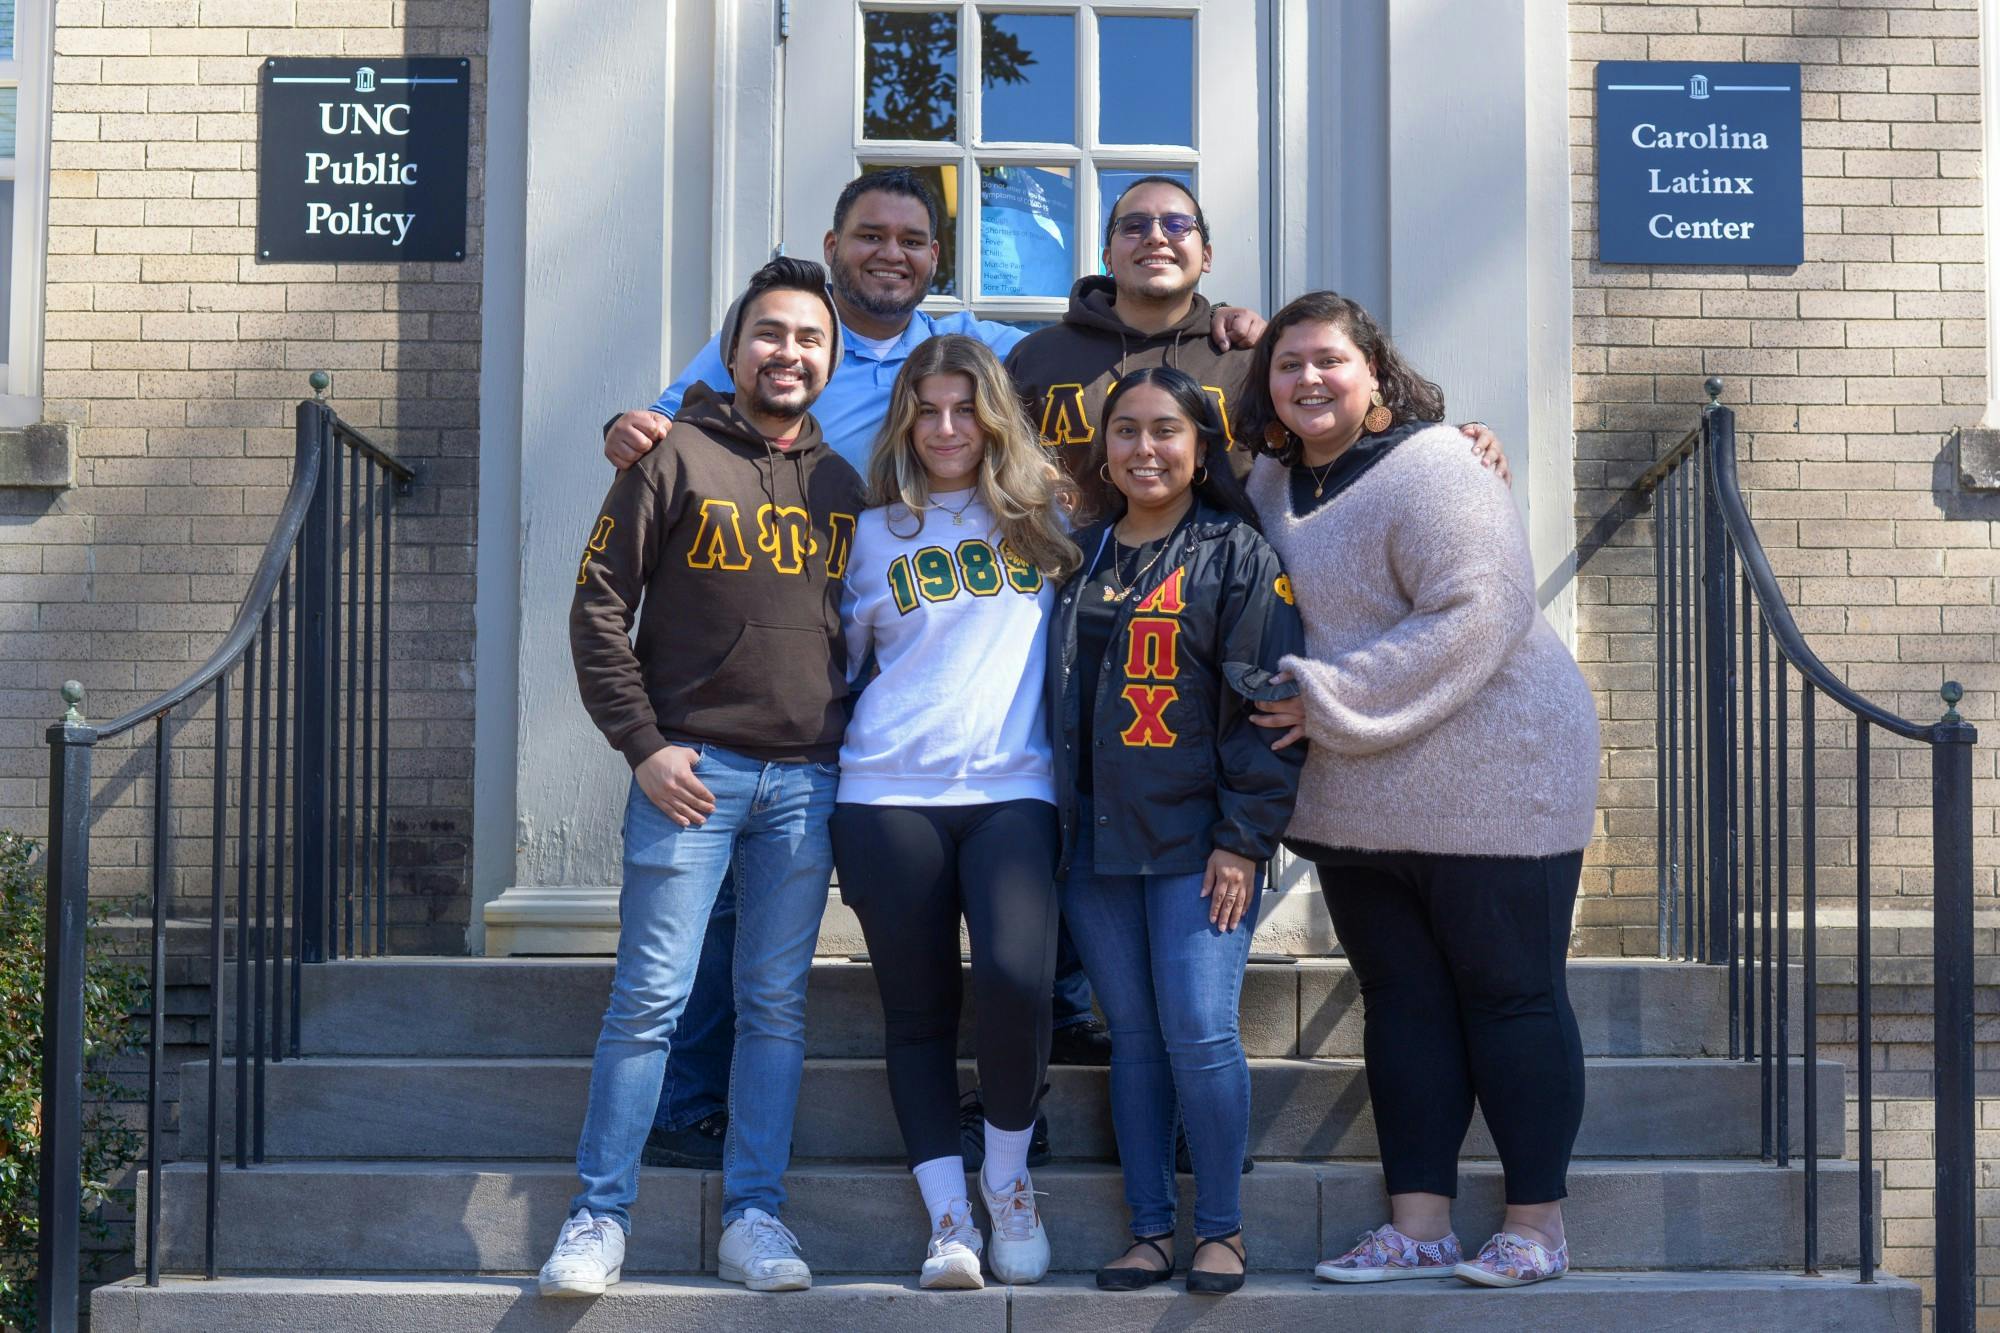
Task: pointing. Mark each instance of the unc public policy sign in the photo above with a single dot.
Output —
(363, 160)
(1698, 164)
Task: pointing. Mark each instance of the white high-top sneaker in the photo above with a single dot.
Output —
(1020, 1252)
(589, 1256)
(952, 1262)
(762, 1253)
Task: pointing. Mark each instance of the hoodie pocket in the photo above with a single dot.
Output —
(772, 687)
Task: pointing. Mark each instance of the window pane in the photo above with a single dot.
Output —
(9, 98)
(911, 69)
(1027, 221)
(6, 29)
(1145, 80)
(944, 184)
(1112, 182)
(1027, 78)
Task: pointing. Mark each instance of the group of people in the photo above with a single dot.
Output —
(1064, 647)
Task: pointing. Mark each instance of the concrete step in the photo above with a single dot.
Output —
(1308, 1007)
(487, 1217)
(1580, 1303)
(532, 1108)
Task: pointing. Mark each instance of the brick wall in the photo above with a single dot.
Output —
(177, 359)
(1847, 375)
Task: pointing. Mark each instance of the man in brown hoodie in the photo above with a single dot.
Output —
(728, 543)
(1147, 312)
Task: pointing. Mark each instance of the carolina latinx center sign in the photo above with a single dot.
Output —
(363, 160)
(1698, 164)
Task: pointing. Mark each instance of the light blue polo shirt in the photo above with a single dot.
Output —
(856, 398)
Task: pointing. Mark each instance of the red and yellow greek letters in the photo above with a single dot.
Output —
(1149, 708)
(600, 537)
(1169, 598)
(718, 538)
(1151, 648)
(784, 532)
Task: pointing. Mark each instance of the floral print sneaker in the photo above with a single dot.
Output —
(1387, 1255)
(1514, 1261)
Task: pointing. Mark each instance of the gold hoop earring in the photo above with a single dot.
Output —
(1104, 473)
(1201, 478)
(1379, 416)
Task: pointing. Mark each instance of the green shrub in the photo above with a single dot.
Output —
(113, 992)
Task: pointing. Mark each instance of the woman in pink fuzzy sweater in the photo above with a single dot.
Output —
(1449, 791)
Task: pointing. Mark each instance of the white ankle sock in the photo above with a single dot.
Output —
(1006, 1155)
(942, 1179)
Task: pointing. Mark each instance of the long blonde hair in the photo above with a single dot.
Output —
(1028, 495)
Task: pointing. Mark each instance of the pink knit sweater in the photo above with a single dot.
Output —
(1445, 715)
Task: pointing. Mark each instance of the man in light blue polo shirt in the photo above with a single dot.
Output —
(882, 253)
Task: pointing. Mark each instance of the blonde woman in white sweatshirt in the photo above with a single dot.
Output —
(1449, 789)
(946, 808)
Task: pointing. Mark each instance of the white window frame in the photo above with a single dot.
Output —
(31, 71)
(1226, 57)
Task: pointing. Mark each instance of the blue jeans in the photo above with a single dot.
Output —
(697, 1081)
(1169, 983)
(770, 821)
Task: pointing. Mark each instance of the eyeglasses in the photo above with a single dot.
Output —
(1138, 226)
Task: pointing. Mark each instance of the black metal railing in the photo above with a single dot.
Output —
(307, 663)
(1727, 646)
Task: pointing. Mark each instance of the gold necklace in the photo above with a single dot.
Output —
(1319, 476)
(958, 514)
(1124, 589)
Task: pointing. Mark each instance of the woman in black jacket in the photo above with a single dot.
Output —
(1170, 801)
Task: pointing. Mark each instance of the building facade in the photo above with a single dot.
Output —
(632, 161)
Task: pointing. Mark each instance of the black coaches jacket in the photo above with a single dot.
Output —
(1179, 769)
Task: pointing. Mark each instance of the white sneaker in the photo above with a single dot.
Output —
(589, 1256)
(952, 1262)
(1020, 1252)
(762, 1253)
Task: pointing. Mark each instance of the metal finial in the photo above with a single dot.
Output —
(321, 382)
(1713, 386)
(1951, 693)
(72, 693)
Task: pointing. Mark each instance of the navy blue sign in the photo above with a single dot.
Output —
(1698, 164)
(363, 159)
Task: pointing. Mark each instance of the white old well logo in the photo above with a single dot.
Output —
(1697, 87)
(364, 80)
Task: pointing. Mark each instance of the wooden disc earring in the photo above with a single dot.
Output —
(1379, 416)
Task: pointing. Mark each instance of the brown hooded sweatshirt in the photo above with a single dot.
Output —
(1065, 371)
(738, 550)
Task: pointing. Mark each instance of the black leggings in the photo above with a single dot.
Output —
(909, 873)
(1460, 960)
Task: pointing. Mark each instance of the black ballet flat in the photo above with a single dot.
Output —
(1125, 1277)
(1200, 1282)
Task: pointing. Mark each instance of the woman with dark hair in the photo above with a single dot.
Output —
(1170, 801)
(1428, 672)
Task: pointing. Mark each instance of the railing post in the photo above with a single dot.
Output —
(317, 562)
(1957, 1164)
(60, 1213)
(1718, 426)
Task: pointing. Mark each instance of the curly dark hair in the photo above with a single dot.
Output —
(1408, 395)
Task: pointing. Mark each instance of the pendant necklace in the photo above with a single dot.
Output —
(1319, 476)
(1124, 589)
(958, 514)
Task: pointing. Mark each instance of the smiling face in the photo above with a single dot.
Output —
(884, 255)
(1320, 383)
(1155, 266)
(946, 433)
(1151, 448)
(783, 355)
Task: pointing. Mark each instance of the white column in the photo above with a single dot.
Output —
(591, 277)
(1479, 235)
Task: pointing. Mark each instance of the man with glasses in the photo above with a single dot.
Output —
(1147, 312)
(882, 252)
